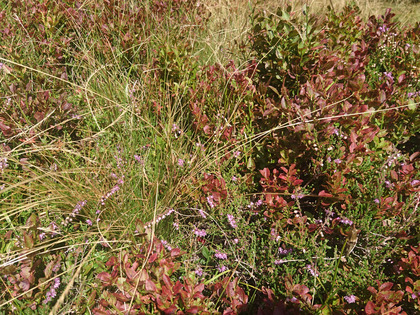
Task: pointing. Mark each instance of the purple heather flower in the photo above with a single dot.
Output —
(389, 75)
(220, 255)
(312, 271)
(346, 221)
(278, 261)
(41, 236)
(237, 154)
(181, 162)
(259, 203)
(166, 245)
(56, 267)
(176, 226)
(221, 268)
(376, 200)
(210, 201)
(337, 161)
(138, 158)
(350, 299)
(199, 271)
(3, 164)
(383, 29)
(232, 221)
(202, 213)
(98, 211)
(235, 240)
(88, 222)
(284, 251)
(201, 233)
(56, 283)
(234, 178)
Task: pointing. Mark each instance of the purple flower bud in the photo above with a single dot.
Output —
(350, 299)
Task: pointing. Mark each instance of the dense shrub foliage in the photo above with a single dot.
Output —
(135, 178)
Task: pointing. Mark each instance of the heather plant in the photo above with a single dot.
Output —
(143, 170)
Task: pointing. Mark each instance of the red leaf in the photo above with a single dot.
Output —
(150, 286)
(370, 308)
(323, 193)
(192, 310)
(167, 281)
(153, 257)
(111, 261)
(394, 175)
(386, 286)
(28, 241)
(265, 173)
(177, 287)
(104, 276)
(170, 310)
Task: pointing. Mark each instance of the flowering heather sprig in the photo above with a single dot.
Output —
(202, 213)
(389, 76)
(52, 292)
(383, 29)
(350, 299)
(54, 227)
(139, 159)
(312, 271)
(221, 268)
(220, 255)
(176, 130)
(199, 271)
(283, 251)
(112, 191)
(200, 233)
(298, 196)
(181, 162)
(210, 201)
(413, 94)
(3, 164)
(232, 221)
(159, 218)
(166, 245)
(345, 221)
(279, 261)
(75, 212)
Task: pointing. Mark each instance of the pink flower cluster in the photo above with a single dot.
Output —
(200, 233)
(232, 221)
(220, 255)
(159, 218)
(52, 292)
(112, 191)
(210, 201)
